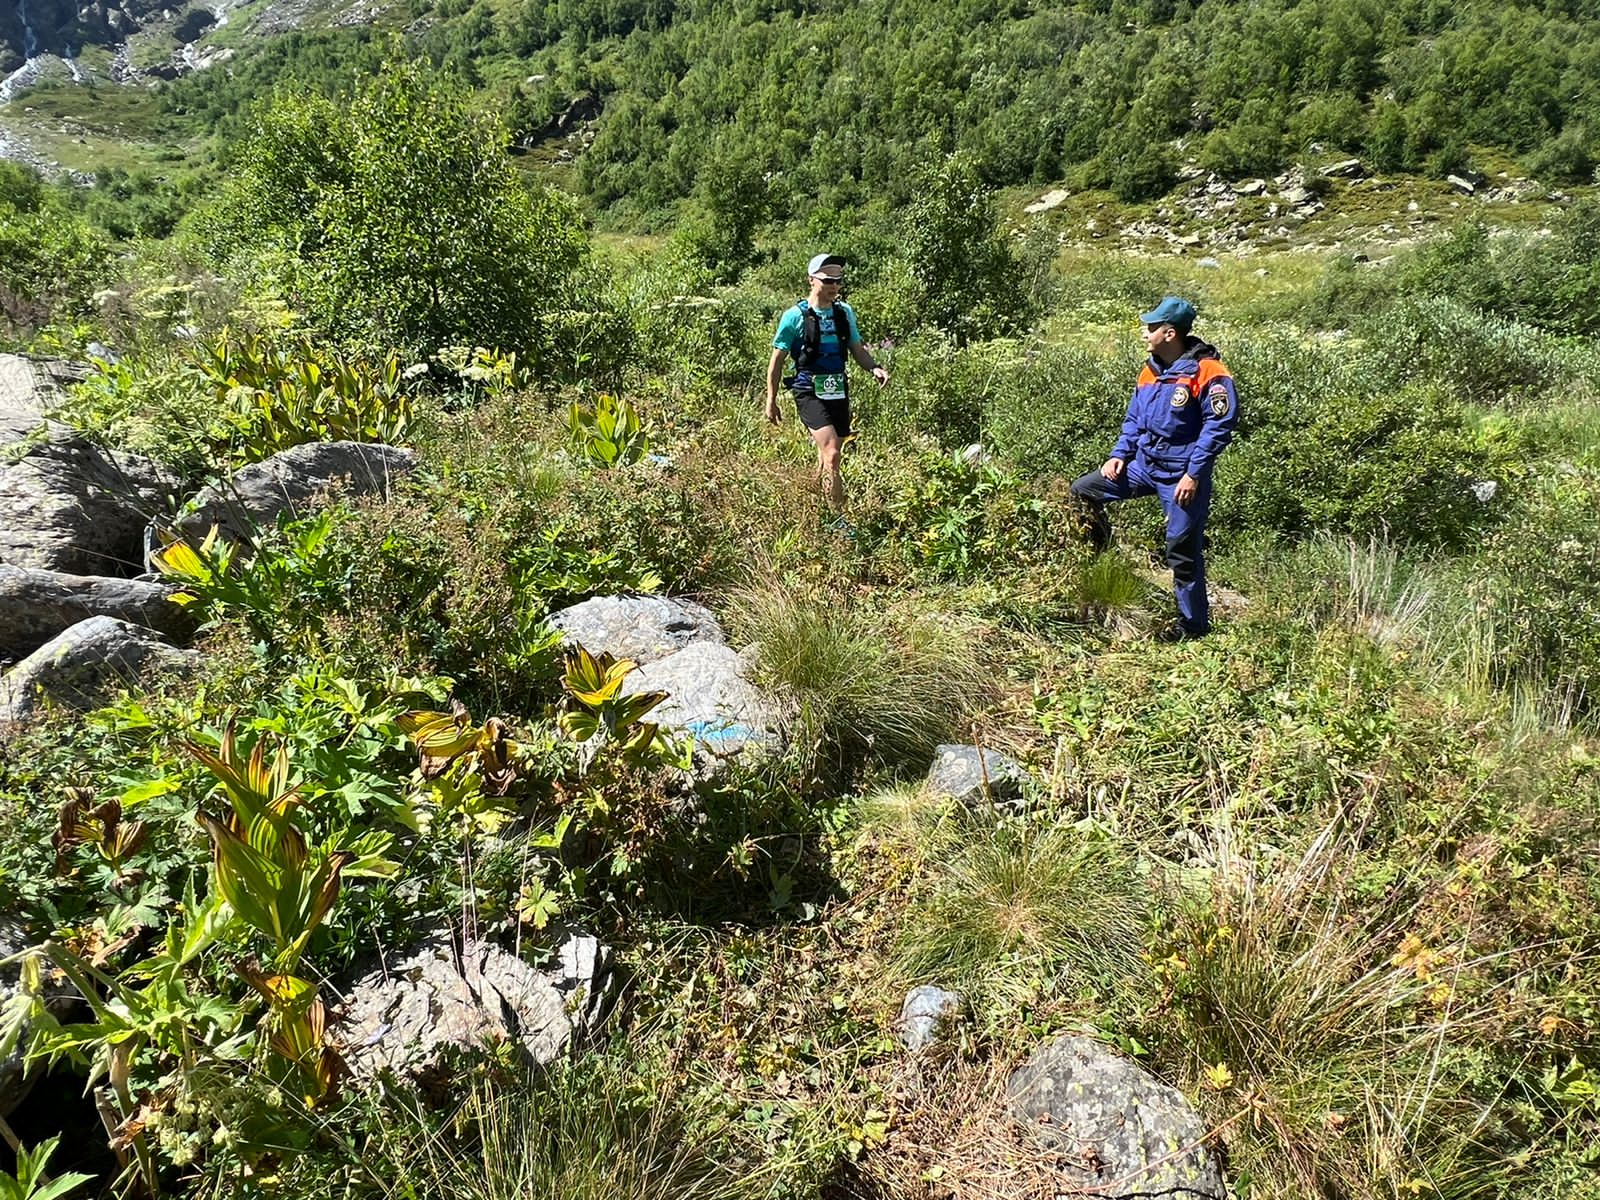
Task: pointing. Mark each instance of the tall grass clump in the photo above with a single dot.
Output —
(857, 679)
(588, 1130)
(1015, 912)
(1342, 1051)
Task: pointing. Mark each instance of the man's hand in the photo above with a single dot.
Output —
(1113, 468)
(772, 410)
(881, 376)
(1185, 490)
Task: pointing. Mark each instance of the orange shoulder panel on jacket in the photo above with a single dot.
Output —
(1211, 368)
(1146, 375)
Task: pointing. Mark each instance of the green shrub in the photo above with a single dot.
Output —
(1541, 587)
(50, 261)
(969, 281)
(401, 218)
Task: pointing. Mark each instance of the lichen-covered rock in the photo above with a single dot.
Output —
(79, 665)
(1117, 1130)
(709, 694)
(36, 605)
(643, 628)
(959, 772)
(288, 482)
(67, 505)
(413, 1019)
(926, 1014)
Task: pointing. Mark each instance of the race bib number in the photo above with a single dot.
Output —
(828, 387)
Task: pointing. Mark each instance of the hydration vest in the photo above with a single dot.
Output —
(812, 358)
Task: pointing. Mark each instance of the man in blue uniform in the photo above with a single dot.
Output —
(1182, 414)
(820, 333)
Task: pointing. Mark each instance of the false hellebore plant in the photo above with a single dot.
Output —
(160, 1041)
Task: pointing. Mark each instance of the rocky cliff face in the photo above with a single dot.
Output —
(63, 27)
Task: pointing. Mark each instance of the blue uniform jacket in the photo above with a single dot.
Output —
(1181, 416)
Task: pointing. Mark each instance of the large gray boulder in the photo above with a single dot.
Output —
(1116, 1130)
(67, 505)
(36, 605)
(24, 388)
(78, 666)
(413, 1019)
(710, 695)
(643, 628)
(288, 482)
(960, 771)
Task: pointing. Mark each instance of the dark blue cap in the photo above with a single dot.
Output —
(1172, 310)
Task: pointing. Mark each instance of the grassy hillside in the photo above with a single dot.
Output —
(1329, 871)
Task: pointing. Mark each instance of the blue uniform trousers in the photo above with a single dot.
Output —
(1186, 528)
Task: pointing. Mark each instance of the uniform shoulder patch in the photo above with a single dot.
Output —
(1218, 396)
(1180, 395)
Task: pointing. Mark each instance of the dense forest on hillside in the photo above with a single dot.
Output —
(842, 102)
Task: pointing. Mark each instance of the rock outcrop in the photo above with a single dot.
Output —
(67, 505)
(36, 605)
(290, 481)
(643, 628)
(415, 1018)
(1116, 1129)
(80, 665)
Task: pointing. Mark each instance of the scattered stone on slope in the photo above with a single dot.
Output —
(66, 504)
(1465, 186)
(1054, 198)
(36, 605)
(959, 772)
(290, 481)
(81, 664)
(926, 1016)
(1114, 1128)
(643, 628)
(414, 1018)
(710, 695)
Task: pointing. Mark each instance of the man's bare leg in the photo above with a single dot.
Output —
(830, 450)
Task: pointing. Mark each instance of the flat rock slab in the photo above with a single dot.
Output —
(959, 772)
(35, 605)
(288, 482)
(1117, 1130)
(78, 666)
(414, 1019)
(67, 505)
(643, 628)
(710, 696)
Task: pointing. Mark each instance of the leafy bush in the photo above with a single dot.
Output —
(400, 218)
(1541, 589)
(50, 261)
(969, 281)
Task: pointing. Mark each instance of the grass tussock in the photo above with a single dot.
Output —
(1013, 913)
(860, 679)
(582, 1131)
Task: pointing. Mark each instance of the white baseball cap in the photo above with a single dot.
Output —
(823, 260)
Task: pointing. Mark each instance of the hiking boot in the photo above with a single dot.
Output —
(1179, 633)
(842, 526)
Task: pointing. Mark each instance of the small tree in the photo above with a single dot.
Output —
(399, 218)
(970, 282)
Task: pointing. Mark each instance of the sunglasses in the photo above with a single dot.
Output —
(836, 280)
(1157, 327)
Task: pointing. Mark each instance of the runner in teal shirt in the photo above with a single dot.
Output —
(810, 333)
